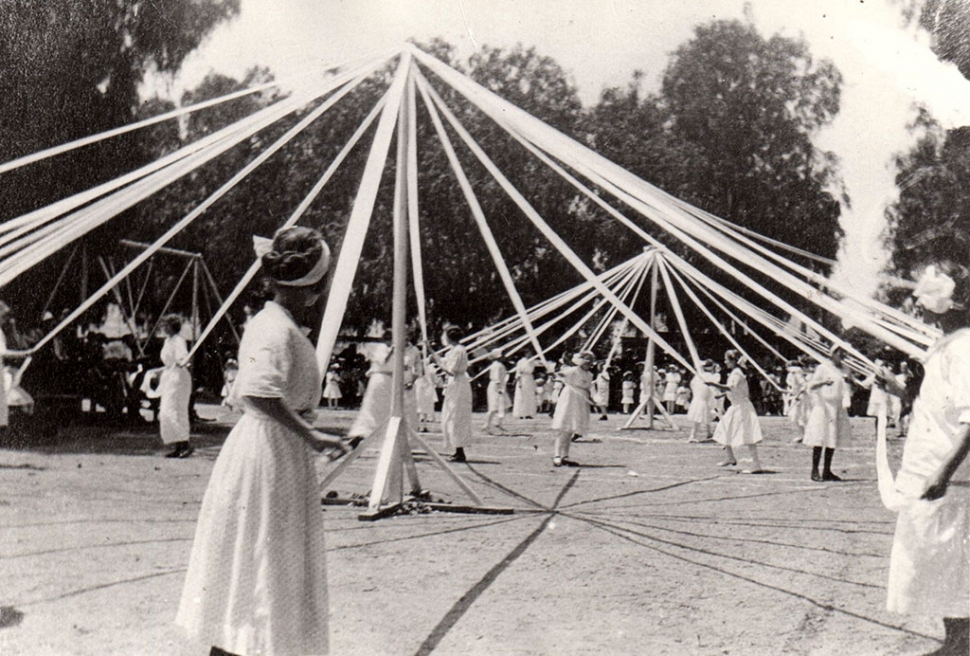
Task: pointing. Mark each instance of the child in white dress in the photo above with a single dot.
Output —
(572, 409)
(739, 426)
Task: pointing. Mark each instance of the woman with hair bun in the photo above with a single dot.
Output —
(456, 408)
(929, 571)
(256, 581)
(174, 389)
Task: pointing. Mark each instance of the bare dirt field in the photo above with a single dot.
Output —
(648, 548)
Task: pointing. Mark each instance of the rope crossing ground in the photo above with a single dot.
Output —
(647, 545)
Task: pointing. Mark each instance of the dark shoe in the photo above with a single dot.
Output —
(569, 463)
(176, 452)
(186, 452)
(458, 457)
(829, 476)
(355, 441)
(816, 477)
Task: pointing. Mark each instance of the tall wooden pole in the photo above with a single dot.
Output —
(651, 347)
(389, 484)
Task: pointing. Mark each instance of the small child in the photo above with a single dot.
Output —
(628, 387)
(683, 397)
(331, 388)
(229, 372)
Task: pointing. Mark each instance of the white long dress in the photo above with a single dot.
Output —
(175, 391)
(828, 420)
(498, 398)
(739, 425)
(701, 407)
(425, 392)
(572, 409)
(601, 389)
(671, 382)
(456, 409)
(256, 582)
(524, 402)
(375, 407)
(929, 571)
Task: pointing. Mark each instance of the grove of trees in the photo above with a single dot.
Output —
(730, 130)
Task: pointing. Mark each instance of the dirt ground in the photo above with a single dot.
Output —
(648, 548)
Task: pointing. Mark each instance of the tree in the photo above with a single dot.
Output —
(71, 68)
(931, 219)
(751, 107)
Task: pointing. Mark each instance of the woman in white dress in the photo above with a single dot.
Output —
(701, 407)
(375, 406)
(739, 426)
(828, 420)
(572, 409)
(497, 397)
(456, 409)
(525, 401)
(256, 581)
(799, 402)
(929, 572)
(426, 393)
(672, 380)
(601, 391)
(174, 389)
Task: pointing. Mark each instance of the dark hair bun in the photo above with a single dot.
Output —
(295, 252)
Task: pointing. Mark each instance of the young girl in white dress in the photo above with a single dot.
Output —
(601, 391)
(672, 379)
(174, 389)
(572, 409)
(628, 389)
(256, 580)
(828, 421)
(456, 409)
(525, 400)
(701, 407)
(426, 393)
(739, 426)
(497, 396)
(375, 405)
(331, 387)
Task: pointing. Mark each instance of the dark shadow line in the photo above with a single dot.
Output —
(507, 490)
(99, 521)
(103, 545)
(94, 588)
(565, 489)
(746, 540)
(627, 495)
(465, 602)
(457, 529)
